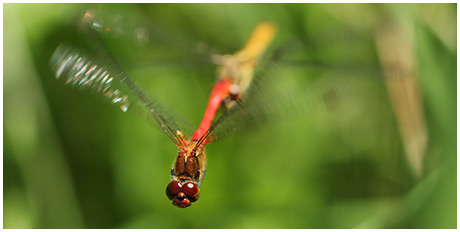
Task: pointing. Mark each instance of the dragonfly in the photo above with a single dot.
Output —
(238, 99)
(106, 77)
(234, 78)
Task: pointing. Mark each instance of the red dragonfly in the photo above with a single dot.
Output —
(103, 75)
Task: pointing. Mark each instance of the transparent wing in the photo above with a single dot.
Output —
(304, 77)
(149, 34)
(90, 65)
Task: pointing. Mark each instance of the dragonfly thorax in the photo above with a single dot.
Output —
(239, 69)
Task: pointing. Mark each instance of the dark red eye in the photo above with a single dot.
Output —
(192, 191)
(173, 189)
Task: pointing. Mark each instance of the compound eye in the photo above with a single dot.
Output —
(192, 191)
(173, 189)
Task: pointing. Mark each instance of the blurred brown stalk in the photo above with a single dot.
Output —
(397, 58)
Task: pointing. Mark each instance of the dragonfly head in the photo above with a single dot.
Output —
(182, 194)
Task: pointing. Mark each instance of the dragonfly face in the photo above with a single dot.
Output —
(182, 194)
(187, 175)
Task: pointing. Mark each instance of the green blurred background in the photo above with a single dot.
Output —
(71, 160)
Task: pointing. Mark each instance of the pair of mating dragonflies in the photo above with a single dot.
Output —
(95, 69)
